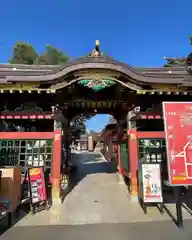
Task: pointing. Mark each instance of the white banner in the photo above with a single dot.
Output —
(151, 176)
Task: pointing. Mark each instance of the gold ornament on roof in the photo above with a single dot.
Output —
(97, 43)
(96, 51)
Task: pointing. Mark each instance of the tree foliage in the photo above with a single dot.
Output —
(52, 56)
(78, 127)
(23, 53)
(189, 59)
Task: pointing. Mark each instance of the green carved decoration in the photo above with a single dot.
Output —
(97, 84)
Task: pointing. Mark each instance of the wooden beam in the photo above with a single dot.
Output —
(30, 90)
(147, 116)
(163, 92)
(154, 134)
(26, 115)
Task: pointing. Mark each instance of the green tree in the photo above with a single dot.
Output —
(189, 59)
(52, 56)
(23, 53)
(78, 125)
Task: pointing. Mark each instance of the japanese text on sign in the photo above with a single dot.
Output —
(178, 131)
(152, 190)
(37, 185)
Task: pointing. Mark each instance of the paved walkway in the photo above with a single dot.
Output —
(119, 231)
(98, 207)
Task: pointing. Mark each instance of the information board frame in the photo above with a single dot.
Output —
(175, 114)
(151, 199)
(142, 200)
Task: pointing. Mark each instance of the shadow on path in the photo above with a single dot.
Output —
(134, 231)
(17, 215)
(186, 199)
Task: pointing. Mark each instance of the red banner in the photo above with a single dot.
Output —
(37, 185)
(178, 132)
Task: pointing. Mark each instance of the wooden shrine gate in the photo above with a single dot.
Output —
(32, 149)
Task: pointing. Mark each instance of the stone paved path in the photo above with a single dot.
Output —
(98, 207)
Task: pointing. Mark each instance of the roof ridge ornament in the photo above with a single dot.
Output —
(189, 59)
(96, 51)
(180, 61)
(175, 61)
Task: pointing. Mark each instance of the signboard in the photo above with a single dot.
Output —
(37, 185)
(151, 183)
(178, 131)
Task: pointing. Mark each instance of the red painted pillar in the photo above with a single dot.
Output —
(110, 148)
(113, 147)
(56, 165)
(107, 147)
(119, 168)
(133, 158)
(104, 146)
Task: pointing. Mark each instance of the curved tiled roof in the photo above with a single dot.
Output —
(36, 73)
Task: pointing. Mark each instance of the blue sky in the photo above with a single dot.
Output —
(97, 122)
(138, 32)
